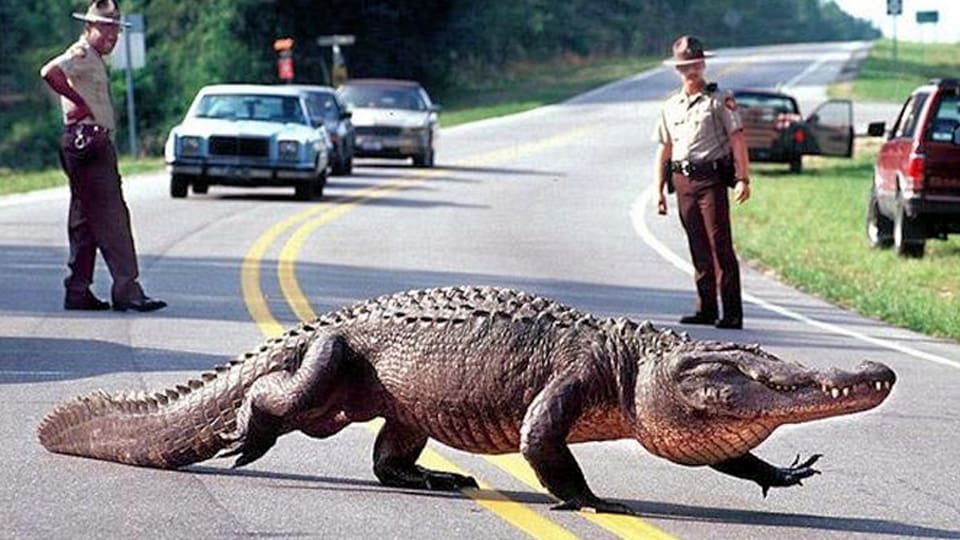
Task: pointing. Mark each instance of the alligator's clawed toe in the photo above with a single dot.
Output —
(792, 475)
(593, 504)
(444, 481)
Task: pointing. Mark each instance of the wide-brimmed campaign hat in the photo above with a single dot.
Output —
(102, 11)
(687, 50)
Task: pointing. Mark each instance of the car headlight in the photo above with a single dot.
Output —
(288, 150)
(189, 146)
(418, 131)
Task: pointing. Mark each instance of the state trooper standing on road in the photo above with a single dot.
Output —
(99, 218)
(701, 153)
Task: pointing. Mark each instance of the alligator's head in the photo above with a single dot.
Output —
(704, 402)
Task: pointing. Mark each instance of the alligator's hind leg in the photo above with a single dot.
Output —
(276, 396)
(395, 456)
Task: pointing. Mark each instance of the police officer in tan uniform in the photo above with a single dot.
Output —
(702, 152)
(99, 218)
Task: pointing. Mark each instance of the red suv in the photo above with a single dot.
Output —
(916, 180)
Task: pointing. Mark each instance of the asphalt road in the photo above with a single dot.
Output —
(555, 201)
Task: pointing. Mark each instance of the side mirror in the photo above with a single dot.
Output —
(877, 129)
(436, 108)
(346, 114)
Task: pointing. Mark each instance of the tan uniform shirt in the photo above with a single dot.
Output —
(698, 127)
(87, 74)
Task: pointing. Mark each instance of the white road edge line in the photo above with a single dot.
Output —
(638, 213)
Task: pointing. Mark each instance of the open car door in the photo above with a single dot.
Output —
(831, 128)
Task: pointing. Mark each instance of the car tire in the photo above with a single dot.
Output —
(909, 239)
(879, 226)
(424, 160)
(796, 165)
(179, 184)
(307, 190)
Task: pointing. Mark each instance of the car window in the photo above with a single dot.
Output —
(946, 119)
(383, 98)
(323, 106)
(779, 104)
(251, 107)
(910, 115)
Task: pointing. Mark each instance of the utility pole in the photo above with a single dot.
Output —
(339, 68)
(894, 9)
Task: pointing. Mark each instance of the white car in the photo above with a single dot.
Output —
(248, 135)
(393, 119)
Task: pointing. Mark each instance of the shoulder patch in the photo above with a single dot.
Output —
(730, 102)
(77, 51)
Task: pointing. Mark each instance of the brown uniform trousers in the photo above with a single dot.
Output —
(705, 214)
(98, 218)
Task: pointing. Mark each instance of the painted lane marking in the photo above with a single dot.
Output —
(627, 527)
(620, 525)
(638, 214)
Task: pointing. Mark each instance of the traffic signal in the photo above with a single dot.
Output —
(284, 48)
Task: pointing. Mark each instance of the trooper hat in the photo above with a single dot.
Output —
(102, 11)
(687, 50)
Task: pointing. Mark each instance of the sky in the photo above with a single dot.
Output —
(947, 30)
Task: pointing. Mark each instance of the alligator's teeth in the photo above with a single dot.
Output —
(835, 392)
(878, 385)
(887, 385)
(846, 391)
(793, 388)
(824, 389)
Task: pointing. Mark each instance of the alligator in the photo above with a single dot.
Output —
(486, 370)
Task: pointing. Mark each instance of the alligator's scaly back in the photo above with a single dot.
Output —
(172, 428)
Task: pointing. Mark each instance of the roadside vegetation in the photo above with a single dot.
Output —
(882, 79)
(809, 230)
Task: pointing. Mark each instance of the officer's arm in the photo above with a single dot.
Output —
(56, 79)
(664, 151)
(741, 159)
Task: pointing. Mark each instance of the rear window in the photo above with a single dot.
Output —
(946, 119)
(251, 107)
(909, 116)
(383, 98)
(779, 104)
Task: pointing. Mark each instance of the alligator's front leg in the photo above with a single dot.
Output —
(543, 444)
(750, 467)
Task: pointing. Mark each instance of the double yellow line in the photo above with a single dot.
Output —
(304, 224)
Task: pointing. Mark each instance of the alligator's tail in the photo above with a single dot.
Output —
(169, 429)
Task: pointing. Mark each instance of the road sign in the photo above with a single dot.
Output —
(327, 41)
(928, 17)
(894, 7)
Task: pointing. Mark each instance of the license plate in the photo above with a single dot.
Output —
(371, 145)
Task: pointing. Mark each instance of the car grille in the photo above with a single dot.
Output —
(239, 146)
(381, 131)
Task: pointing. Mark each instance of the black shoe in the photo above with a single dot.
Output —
(142, 305)
(730, 323)
(699, 318)
(86, 302)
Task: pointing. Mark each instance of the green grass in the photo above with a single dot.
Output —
(20, 181)
(883, 79)
(809, 231)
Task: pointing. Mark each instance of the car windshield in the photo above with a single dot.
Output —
(946, 120)
(780, 104)
(285, 109)
(374, 97)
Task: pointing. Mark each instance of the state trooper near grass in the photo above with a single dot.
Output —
(701, 153)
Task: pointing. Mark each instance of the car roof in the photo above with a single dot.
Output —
(382, 82)
(311, 87)
(262, 89)
(767, 93)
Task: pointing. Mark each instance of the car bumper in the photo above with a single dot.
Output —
(242, 174)
(941, 206)
(384, 146)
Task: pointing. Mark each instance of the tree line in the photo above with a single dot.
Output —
(439, 42)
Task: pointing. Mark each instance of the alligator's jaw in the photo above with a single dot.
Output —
(835, 393)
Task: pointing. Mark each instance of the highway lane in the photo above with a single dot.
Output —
(553, 201)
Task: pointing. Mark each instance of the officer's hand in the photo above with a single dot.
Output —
(662, 204)
(79, 113)
(741, 192)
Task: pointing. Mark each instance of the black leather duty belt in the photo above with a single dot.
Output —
(698, 168)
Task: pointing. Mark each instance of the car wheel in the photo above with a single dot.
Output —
(908, 234)
(879, 226)
(424, 160)
(178, 185)
(796, 165)
(348, 166)
(200, 188)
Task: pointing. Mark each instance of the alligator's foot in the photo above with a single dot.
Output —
(593, 504)
(417, 477)
(790, 476)
(750, 467)
(256, 433)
